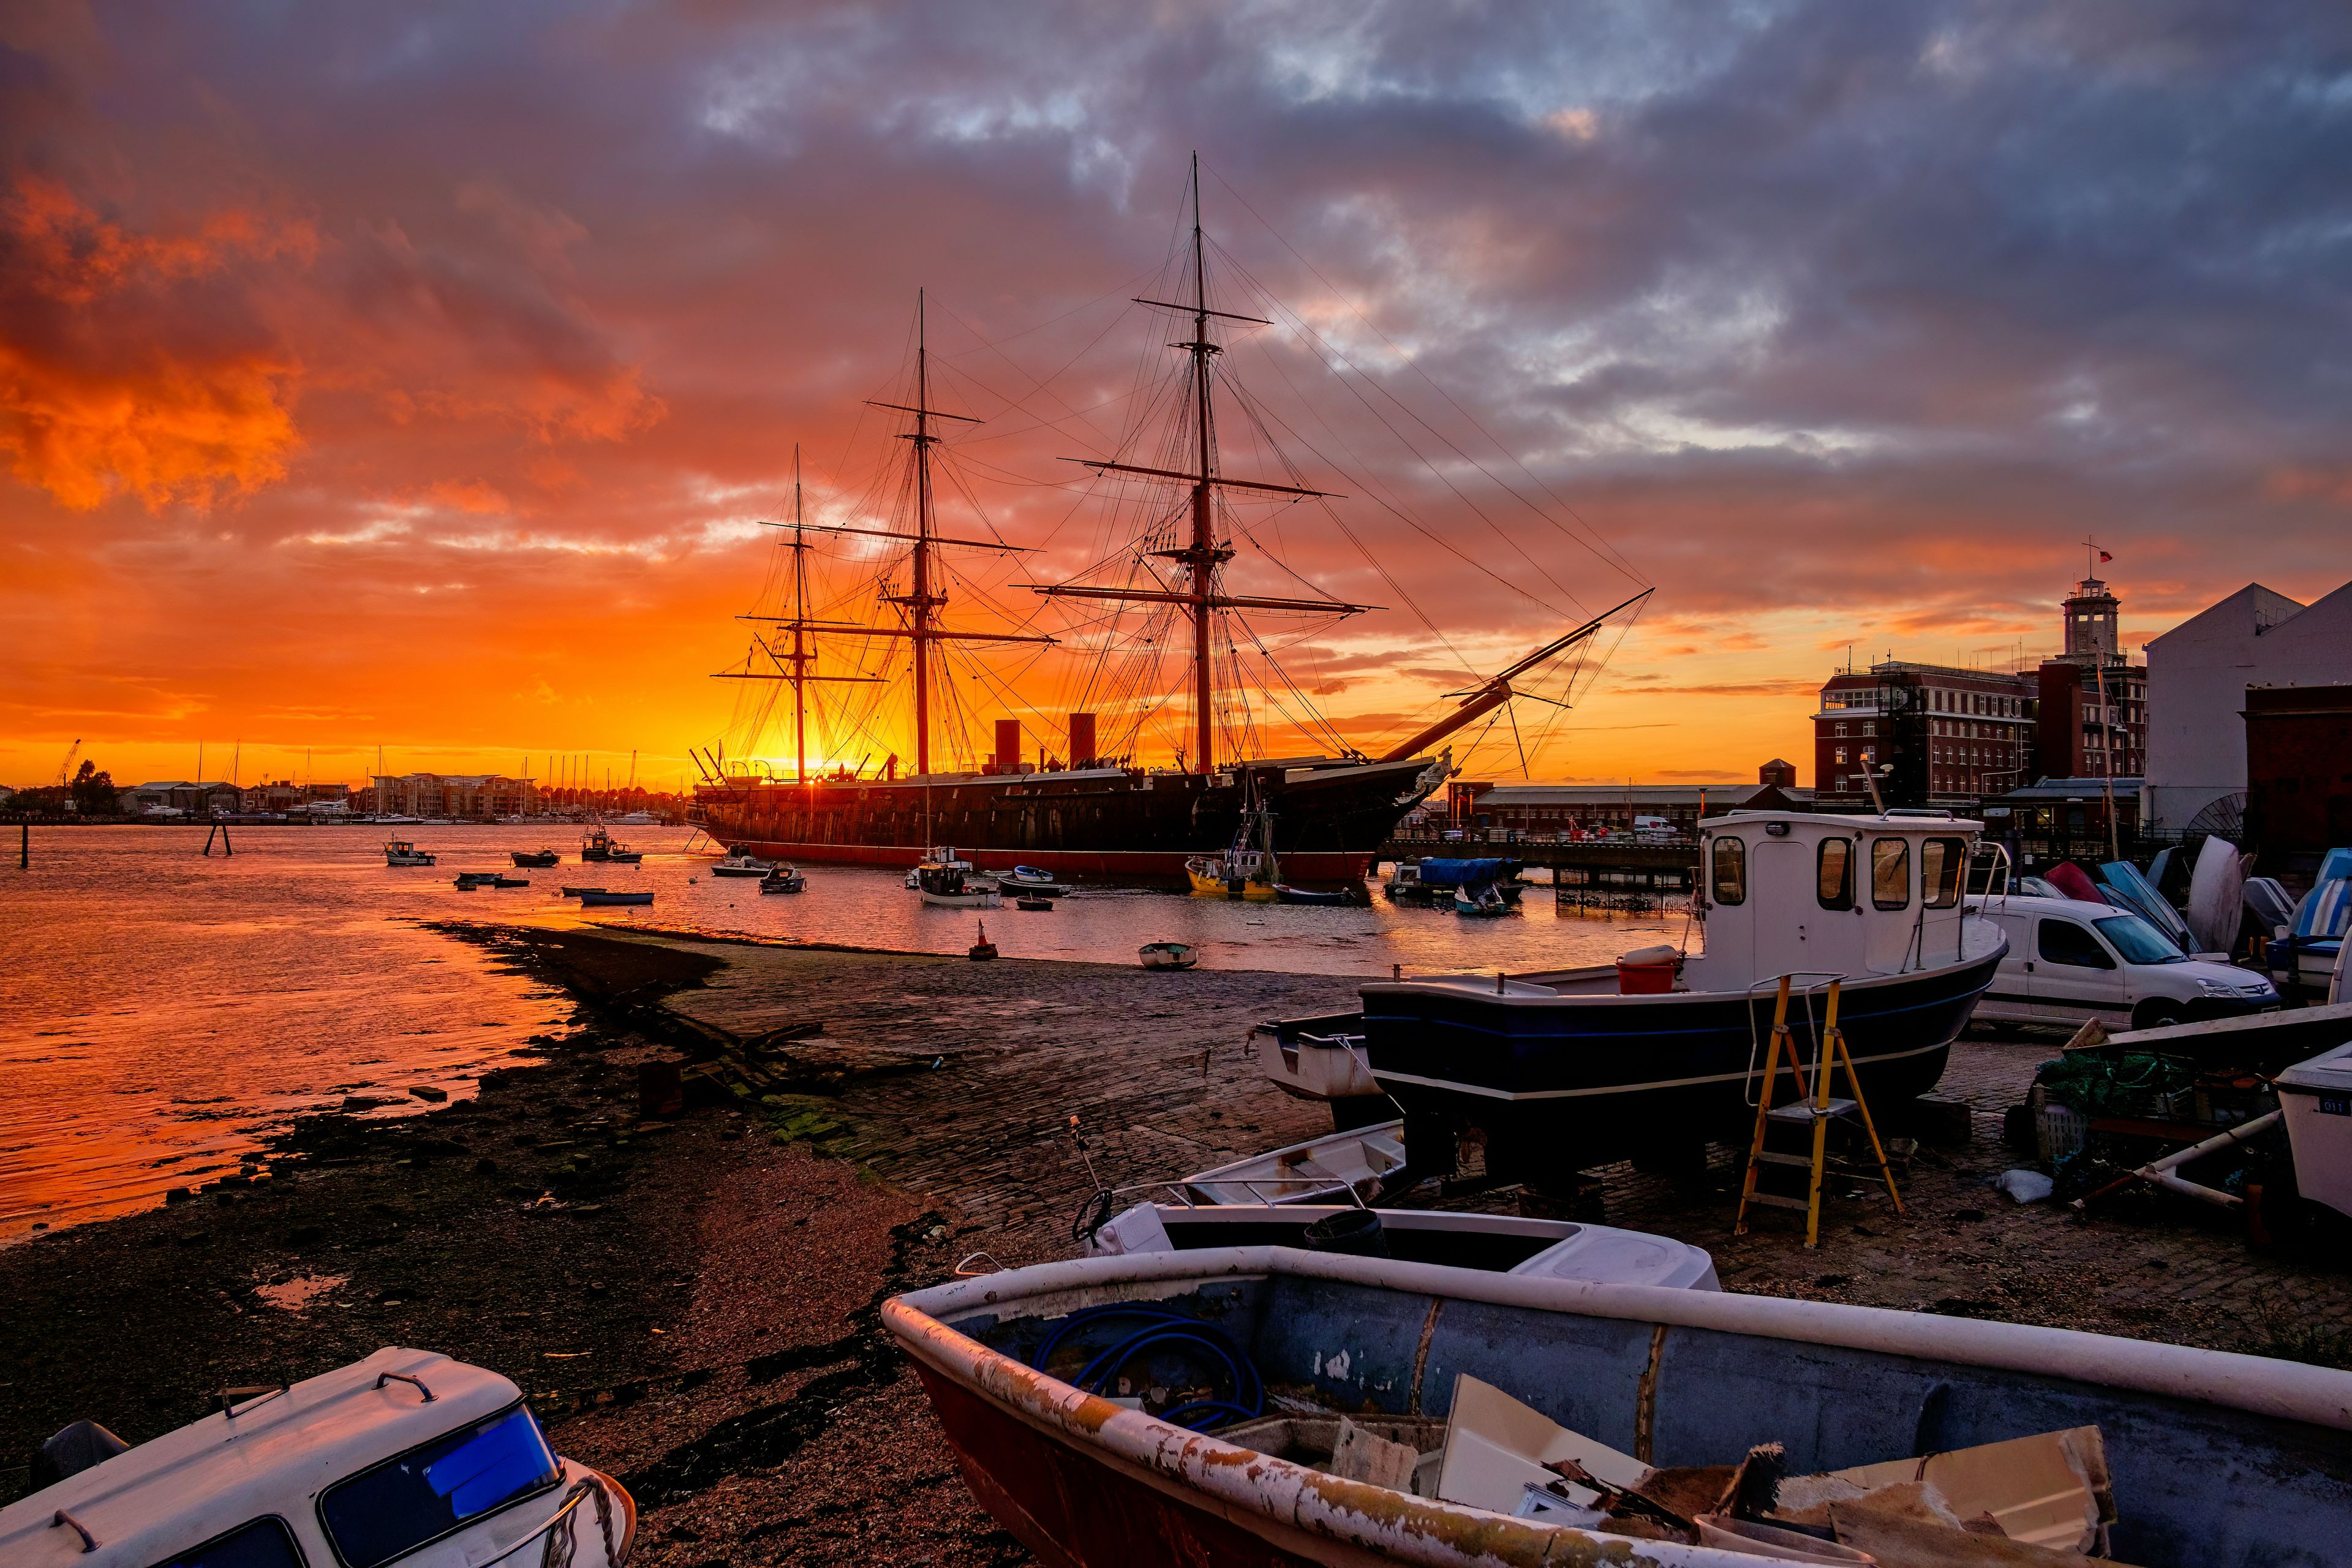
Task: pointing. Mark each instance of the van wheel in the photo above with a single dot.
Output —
(2156, 1015)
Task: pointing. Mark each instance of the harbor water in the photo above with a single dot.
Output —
(162, 1011)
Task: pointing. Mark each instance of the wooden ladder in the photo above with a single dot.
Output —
(1813, 1109)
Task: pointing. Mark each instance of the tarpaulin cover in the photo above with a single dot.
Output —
(1465, 873)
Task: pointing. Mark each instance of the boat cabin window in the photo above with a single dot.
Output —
(264, 1543)
(397, 1505)
(1730, 871)
(1837, 874)
(1942, 863)
(2064, 942)
(1890, 873)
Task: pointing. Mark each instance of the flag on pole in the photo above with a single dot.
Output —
(2105, 557)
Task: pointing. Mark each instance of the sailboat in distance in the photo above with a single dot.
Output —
(1095, 813)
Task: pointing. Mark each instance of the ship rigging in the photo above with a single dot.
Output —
(1328, 812)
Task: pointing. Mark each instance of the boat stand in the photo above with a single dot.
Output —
(1812, 1111)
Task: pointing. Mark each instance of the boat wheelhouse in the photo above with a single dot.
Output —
(1569, 1068)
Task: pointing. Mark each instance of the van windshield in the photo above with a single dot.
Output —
(2137, 940)
(384, 1512)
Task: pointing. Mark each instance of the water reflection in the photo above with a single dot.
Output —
(162, 1010)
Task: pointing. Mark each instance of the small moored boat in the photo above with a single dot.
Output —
(538, 858)
(782, 879)
(1046, 904)
(580, 892)
(952, 882)
(741, 865)
(405, 1456)
(1284, 893)
(621, 855)
(1166, 955)
(597, 897)
(401, 852)
(1027, 880)
(1483, 902)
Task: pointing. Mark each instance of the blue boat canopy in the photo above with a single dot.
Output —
(1466, 873)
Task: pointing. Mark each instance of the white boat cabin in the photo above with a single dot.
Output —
(406, 1456)
(1794, 893)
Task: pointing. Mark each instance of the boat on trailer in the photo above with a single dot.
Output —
(405, 1457)
(2208, 1456)
(1600, 1063)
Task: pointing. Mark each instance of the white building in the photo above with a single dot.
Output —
(2197, 678)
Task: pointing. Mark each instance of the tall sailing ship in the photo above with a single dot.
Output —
(1085, 815)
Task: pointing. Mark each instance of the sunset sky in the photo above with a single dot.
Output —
(419, 376)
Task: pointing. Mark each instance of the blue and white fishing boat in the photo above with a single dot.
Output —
(1120, 1412)
(1582, 1065)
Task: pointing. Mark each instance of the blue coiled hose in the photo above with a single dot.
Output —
(1162, 1327)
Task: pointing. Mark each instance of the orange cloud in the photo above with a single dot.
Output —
(92, 400)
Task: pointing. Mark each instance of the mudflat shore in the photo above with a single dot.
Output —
(691, 1299)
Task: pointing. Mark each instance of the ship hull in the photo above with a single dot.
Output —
(1093, 825)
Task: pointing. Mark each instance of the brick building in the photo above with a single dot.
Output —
(1949, 735)
(2092, 720)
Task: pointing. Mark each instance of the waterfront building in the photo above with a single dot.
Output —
(2199, 674)
(2056, 819)
(1552, 810)
(1949, 735)
(2092, 720)
(465, 798)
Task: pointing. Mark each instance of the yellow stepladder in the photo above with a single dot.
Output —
(1812, 1108)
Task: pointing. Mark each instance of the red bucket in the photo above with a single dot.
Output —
(1649, 972)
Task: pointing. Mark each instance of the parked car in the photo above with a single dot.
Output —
(2070, 960)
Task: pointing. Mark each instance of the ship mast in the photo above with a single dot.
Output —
(926, 595)
(1206, 553)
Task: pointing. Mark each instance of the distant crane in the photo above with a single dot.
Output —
(63, 768)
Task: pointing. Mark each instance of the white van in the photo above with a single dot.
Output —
(2069, 961)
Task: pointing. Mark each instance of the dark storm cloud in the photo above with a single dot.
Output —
(1859, 311)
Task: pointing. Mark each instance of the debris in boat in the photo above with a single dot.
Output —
(2050, 1491)
(1358, 1454)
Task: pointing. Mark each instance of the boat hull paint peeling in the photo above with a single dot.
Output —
(2216, 1458)
(1086, 1484)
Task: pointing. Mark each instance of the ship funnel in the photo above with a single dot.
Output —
(1081, 740)
(1008, 745)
